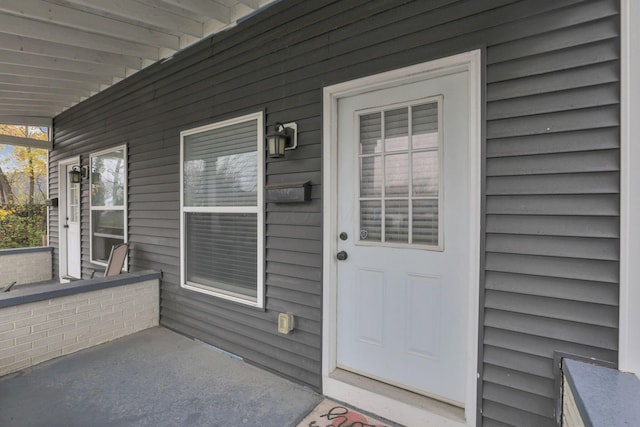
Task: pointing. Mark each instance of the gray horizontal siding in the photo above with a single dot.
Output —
(552, 226)
(579, 140)
(553, 287)
(551, 171)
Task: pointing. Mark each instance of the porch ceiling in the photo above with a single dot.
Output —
(56, 53)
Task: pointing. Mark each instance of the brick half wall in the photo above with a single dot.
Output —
(27, 265)
(34, 332)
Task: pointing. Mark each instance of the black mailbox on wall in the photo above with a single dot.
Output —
(288, 192)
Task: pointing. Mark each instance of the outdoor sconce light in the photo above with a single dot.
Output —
(284, 137)
(74, 175)
(77, 175)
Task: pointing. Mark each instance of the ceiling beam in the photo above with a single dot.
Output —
(205, 8)
(73, 37)
(60, 64)
(42, 112)
(8, 87)
(26, 120)
(38, 97)
(77, 19)
(57, 50)
(56, 53)
(23, 110)
(242, 10)
(138, 12)
(253, 4)
(20, 70)
(25, 142)
(18, 103)
(50, 83)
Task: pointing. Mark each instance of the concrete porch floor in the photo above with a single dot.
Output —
(152, 378)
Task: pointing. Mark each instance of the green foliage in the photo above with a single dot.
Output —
(23, 172)
(22, 225)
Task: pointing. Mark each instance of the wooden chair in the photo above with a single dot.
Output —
(116, 260)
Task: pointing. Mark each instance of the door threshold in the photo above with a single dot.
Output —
(393, 403)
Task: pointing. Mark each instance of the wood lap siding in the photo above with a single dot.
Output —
(551, 171)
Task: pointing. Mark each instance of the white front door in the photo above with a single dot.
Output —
(69, 223)
(403, 224)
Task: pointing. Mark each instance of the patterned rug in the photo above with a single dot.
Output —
(332, 414)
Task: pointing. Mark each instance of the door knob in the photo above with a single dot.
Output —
(342, 255)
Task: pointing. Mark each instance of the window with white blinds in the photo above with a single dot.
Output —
(400, 193)
(222, 209)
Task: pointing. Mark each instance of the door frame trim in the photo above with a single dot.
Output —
(63, 266)
(336, 388)
(629, 335)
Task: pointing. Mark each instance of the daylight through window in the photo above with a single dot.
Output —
(108, 178)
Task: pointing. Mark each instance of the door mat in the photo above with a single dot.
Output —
(332, 414)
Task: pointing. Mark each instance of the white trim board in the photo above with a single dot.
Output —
(629, 338)
(383, 405)
(25, 142)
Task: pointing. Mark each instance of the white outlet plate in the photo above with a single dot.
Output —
(285, 323)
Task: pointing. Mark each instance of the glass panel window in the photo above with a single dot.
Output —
(221, 251)
(108, 222)
(108, 178)
(424, 126)
(396, 131)
(220, 166)
(108, 200)
(370, 221)
(400, 179)
(396, 173)
(371, 176)
(222, 212)
(396, 221)
(426, 173)
(371, 133)
(425, 222)
(73, 195)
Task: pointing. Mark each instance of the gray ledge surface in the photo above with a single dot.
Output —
(25, 250)
(605, 397)
(38, 292)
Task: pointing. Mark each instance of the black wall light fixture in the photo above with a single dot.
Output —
(74, 175)
(284, 137)
(78, 174)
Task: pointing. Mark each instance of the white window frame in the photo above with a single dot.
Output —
(258, 210)
(111, 208)
(439, 99)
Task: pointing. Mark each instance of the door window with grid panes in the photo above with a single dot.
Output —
(400, 169)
